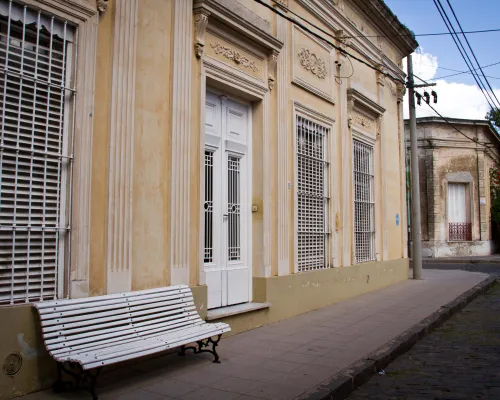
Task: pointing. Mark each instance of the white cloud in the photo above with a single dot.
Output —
(455, 100)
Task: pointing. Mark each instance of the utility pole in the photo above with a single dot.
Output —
(416, 227)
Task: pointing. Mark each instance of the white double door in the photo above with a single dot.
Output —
(226, 205)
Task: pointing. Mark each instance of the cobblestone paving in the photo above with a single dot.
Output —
(460, 360)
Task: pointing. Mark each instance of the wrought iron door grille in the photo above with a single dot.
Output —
(35, 156)
(364, 226)
(460, 231)
(208, 207)
(311, 196)
(233, 208)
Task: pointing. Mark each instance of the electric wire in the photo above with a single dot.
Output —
(466, 58)
(396, 79)
(472, 52)
(456, 129)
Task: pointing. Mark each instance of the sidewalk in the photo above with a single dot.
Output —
(491, 259)
(288, 359)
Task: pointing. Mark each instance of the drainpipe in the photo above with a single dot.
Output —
(478, 192)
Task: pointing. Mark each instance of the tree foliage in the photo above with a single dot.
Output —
(494, 117)
(495, 194)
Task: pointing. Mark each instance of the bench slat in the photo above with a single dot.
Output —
(107, 305)
(108, 297)
(77, 349)
(83, 323)
(158, 317)
(109, 333)
(127, 354)
(103, 330)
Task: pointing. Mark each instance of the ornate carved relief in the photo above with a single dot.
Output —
(273, 60)
(401, 91)
(233, 55)
(201, 22)
(102, 5)
(313, 63)
(360, 120)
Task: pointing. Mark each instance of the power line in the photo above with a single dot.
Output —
(423, 34)
(463, 72)
(463, 53)
(472, 51)
(455, 128)
(330, 43)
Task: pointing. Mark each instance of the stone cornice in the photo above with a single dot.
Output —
(333, 17)
(241, 19)
(360, 102)
(378, 12)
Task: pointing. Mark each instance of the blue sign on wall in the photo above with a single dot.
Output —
(397, 219)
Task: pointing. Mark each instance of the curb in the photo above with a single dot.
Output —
(458, 261)
(342, 384)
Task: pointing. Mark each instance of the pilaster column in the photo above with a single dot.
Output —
(381, 134)
(181, 141)
(284, 131)
(119, 235)
(345, 134)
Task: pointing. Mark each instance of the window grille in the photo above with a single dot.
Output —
(35, 92)
(311, 196)
(233, 208)
(209, 207)
(364, 224)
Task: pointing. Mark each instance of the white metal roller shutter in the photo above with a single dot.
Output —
(35, 159)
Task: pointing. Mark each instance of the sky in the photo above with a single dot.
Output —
(458, 96)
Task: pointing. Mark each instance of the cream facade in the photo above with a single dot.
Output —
(212, 143)
(454, 185)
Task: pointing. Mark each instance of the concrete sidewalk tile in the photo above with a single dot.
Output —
(139, 394)
(208, 393)
(258, 374)
(313, 349)
(236, 385)
(246, 359)
(202, 378)
(280, 366)
(274, 391)
(170, 387)
(292, 356)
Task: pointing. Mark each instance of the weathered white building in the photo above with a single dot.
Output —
(454, 185)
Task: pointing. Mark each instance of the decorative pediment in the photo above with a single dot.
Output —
(235, 19)
(364, 113)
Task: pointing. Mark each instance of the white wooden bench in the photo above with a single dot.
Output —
(88, 334)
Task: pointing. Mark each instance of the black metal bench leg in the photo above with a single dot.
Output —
(91, 381)
(202, 344)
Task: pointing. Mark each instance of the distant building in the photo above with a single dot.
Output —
(454, 185)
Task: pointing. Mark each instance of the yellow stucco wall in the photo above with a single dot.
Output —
(152, 192)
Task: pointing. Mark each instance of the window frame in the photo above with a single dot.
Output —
(371, 142)
(75, 263)
(329, 178)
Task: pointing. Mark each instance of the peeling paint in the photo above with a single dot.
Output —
(28, 351)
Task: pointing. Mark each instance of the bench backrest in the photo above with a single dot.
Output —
(77, 325)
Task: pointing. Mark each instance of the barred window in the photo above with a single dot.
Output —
(364, 224)
(35, 161)
(208, 208)
(311, 196)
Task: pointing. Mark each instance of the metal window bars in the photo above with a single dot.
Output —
(312, 201)
(460, 231)
(208, 207)
(364, 224)
(36, 156)
(233, 208)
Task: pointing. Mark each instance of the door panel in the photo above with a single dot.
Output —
(227, 204)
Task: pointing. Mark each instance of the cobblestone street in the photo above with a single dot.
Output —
(460, 360)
